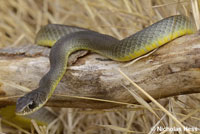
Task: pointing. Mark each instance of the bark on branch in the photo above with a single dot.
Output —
(173, 69)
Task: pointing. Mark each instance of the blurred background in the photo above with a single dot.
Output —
(20, 20)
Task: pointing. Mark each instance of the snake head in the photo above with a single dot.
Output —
(30, 102)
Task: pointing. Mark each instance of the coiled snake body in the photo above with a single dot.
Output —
(69, 39)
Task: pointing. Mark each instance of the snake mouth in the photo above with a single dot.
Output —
(29, 108)
(25, 109)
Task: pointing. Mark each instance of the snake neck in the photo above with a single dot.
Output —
(49, 81)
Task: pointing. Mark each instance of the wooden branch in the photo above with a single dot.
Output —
(173, 69)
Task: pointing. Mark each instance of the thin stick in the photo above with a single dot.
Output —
(141, 57)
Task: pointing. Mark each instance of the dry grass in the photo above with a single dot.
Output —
(20, 20)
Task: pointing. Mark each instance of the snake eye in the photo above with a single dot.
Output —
(32, 105)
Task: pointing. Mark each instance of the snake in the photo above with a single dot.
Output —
(65, 40)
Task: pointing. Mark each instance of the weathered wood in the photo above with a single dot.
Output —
(173, 69)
